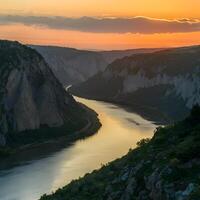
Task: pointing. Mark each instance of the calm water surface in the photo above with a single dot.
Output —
(28, 178)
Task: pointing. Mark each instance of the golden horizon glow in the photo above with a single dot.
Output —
(98, 41)
(171, 9)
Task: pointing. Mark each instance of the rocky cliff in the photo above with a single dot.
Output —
(167, 167)
(31, 98)
(168, 81)
(71, 65)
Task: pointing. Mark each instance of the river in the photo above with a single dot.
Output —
(28, 177)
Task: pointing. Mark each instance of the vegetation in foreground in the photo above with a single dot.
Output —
(165, 167)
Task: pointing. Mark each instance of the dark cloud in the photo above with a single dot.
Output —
(107, 25)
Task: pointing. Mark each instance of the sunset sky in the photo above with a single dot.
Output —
(101, 24)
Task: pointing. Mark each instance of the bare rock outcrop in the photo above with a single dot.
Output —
(30, 94)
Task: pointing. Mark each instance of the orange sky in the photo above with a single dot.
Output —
(151, 8)
(171, 9)
(81, 40)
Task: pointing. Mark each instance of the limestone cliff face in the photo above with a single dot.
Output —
(30, 95)
(187, 86)
(168, 80)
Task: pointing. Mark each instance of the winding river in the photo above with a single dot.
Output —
(27, 177)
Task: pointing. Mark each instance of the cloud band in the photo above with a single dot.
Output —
(141, 25)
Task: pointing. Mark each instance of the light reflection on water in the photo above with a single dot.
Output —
(119, 132)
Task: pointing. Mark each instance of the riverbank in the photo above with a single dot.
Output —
(37, 170)
(149, 113)
(165, 167)
(58, 136)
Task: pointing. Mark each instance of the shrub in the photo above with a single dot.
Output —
(194, 117)
(143, 142)
(195, 195)
(174, 162)
(188, 149)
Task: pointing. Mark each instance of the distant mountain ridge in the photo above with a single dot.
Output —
(113, 55)
(168, 81)
(72, 66)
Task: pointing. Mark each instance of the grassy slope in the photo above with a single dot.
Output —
(173, 154)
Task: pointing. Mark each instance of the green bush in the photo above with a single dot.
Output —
(174, 162)
(4, 152)
(195, 195)
(188, 148)
(143, 142)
